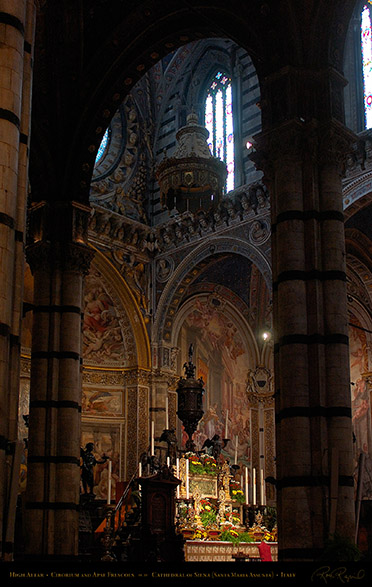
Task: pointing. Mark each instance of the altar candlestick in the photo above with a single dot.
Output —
(254, 487)
(152, 437)
(236, 451)
(166, 414)
(187, 478)
(109, 482)
(262, 487)
(226, 422)
(178, 475)
(246, 485)
(139, 475)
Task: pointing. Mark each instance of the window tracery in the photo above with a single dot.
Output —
(366, 52)
(219, 122)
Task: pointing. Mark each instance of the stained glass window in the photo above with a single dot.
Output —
(103, 145)
(219, 122)
(366, 43)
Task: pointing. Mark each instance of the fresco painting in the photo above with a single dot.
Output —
(224, 368)
(106, 441)
(102, 402)
(360, 394)
(102, 334)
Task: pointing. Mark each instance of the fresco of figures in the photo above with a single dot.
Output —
(223, 364)
(102, 402)
(106, 442)
(102, 334)
(360, 394)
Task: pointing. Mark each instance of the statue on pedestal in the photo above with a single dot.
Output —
(89, 462)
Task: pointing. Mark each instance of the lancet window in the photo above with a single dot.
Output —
(219, 122)
(366, 53)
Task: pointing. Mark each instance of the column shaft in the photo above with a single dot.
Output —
(302, 169)
(15, 76)
(52, 497)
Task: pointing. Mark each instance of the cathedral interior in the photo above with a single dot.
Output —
(186, 181)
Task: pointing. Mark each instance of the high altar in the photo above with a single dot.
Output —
(212, 508)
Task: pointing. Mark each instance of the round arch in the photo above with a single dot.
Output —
(202, 252)
(127, 52)
(129, 311)
(230, 312)
(357, 194)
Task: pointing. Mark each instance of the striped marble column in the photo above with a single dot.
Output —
(53, 479)
(313, 415)
(15, 75)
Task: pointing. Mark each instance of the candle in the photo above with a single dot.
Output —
(246, 485)
(187, 478)
(178, 475)
(236, 450)
(152, 437)
(254, 487)
(168, 461)
(226, 422)
(262, 487)
(139, 475)
(166, 414)
(109, 482)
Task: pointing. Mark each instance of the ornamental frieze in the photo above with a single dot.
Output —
(137, 377)
(102, 377)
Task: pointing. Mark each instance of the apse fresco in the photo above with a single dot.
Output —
(102, 402)
(222, 362)
(360, 394)
(102, 335)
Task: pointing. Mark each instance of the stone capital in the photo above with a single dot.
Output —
(47, 256)
(296, 141)
(58, 221)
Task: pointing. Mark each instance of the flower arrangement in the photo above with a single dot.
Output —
(269, 537)
(209, 464)
(231, 534)
(236, 492)
(201, 464)
(208, 514)
(195, 465)
(200, 534)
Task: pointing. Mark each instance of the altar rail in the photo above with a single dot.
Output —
(209, 551)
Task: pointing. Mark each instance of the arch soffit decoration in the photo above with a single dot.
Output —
(360, 308)
(165, 314)
(232, 313)
(129, 312)
(359, 247)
